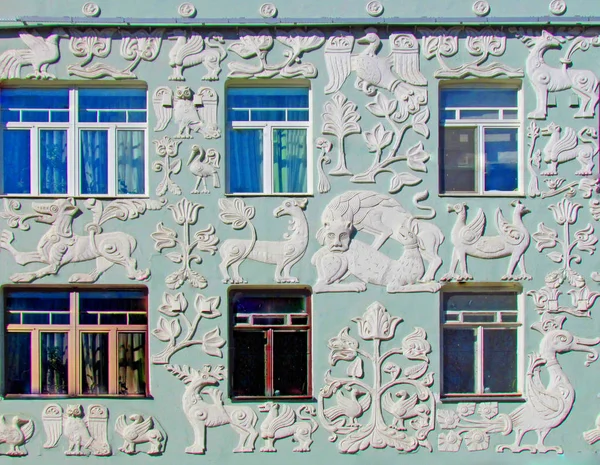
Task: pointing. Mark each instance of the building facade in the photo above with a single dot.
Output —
(338, 230)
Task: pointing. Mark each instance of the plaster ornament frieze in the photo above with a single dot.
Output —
(481, 8)
(545, 78)
(187, 10)
(167, 149)
(283, 254)
(191, 111)
(191, 49)
(204, 164)
(185, 214)
(90, 9)
(342, 255)
(595, 212)
(374, 8)
(140, 431)
(136, 47)
(511, 241)
(361, 412)
(15, 433)
(558, 7)
(284, 422)
(40, 53)
(204, 407)
(481, 43)
(268, 10)
(59, 245)
(84, 430)
(324, 145)
(257, 45)
(593, 436)
(169, 327)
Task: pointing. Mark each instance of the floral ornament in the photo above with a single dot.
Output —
(185, 213)
(415, 346)
(565, 211)
(447, 419)
(377, 323)
(175, 306)
(465, 409)
(167, 149)
(449, 442)
(477, 439)
(343, 347)
(488, 409)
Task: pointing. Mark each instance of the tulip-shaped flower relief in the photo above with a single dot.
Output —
(378, 403)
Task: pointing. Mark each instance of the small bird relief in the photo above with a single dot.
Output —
(343, 255)
(191, 111)
(15, 433)
(85, 431)
(204, 164)
(140, 431)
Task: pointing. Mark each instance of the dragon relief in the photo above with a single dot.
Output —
(282, 422)
(565, 145)
(192, 49)
(139, 431)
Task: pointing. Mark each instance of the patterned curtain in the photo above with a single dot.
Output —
(53, 161)
(130, 162)
(289, 160)
(55, 363)
(94, 361)
(94, 161)
(132, 363)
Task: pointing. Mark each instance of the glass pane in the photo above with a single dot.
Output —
(499, 360)
(59, 116)
(107, 304)
(94, 363)
(18, 365)
(267, 115)
(37, 300)
(16, 162)
(53, 161)
(474, 301)
(130, 162)
(297, 115)
(34, 98)
(136, 116)
(35, 116)
(244, 160)
(55, 363)
(510, 114)
(289, 160)
(94, 161)
(447, 114)
(238, 115)
(478, 97)
(459, 361)
(132, 363)
(501, 159)
(112, 117)
(457, 146)
(248, 377)
(267, 97)
(246, 302)
(481, 318)
(290, 363)
(36, 318)
(107, 99)
(480, 114)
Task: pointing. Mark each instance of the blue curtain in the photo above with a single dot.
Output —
(94, 161)
(53, 161)
(244, 164)
(16, 162)
(289, 160)
(130, 162)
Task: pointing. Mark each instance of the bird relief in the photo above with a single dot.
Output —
(15, 435)
(545, 78)
(167, 149)
(342, 255)
(191, 49)
(480, 43)
(40, 53)
(140, 431)
(283, 254)
(85, 431)
(398, 408)
(593, 436)
(204, 164)
(191, 111)
(136, 47)
(284, 422)
(59, 245)
(511, 241)
(297, 43)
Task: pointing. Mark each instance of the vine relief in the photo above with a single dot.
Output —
(15, 435)
(283, 422)
(139, 431)
(257, 45)
(283, 254)
(167, 149)
(401, 394)
(191, 49)
(40, 53)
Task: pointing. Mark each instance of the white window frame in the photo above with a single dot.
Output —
(480, 125)
(490, 288)
(73, 128)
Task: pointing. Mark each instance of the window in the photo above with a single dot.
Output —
(267, 134)
(480, 333)
(479, 140)
(76, 342)
(75, 141)
(270, 347)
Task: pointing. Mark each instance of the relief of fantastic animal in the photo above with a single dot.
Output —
(60, 246)
(566, 145)
(203, 414)
(468, 239)
(380, 215)
(283, 422)
(204, 164)
(15, 435)
(545, 78)
(192, 49)
(283, 254)
(139, 431)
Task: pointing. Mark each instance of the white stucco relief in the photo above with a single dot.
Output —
(40, 53)
(15, 433)
(167, 149)
(545, 78)
(557, 7)
(191, 49)
(204, 164)
(187, 10)
(140, 431)
(191, 111)
(90, 9)
(59, 245)
(357, 417)
(203, 413)
(136, 47)
(284, 422)
(170, 329)
(85, 430)
(257, 45)
(283, 254)
(374, 8)
(592, 436)
(481, 43)
(511, 241)
(185, 214)
(342, 256)
(481, 8)
(324, 145)
(268, 10)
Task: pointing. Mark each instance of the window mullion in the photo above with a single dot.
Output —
(269, 363)
(73, 181)
(74, 357)
(34, 134)
(481, 158)
(480, 349)
(268, 159)
(113, 374)
(112, 160)
(36, 362)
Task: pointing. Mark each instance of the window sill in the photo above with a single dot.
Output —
(260, 194)
(456, 398)
(273, 398)
(486, 194)
(78, 196)
(76, 396)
